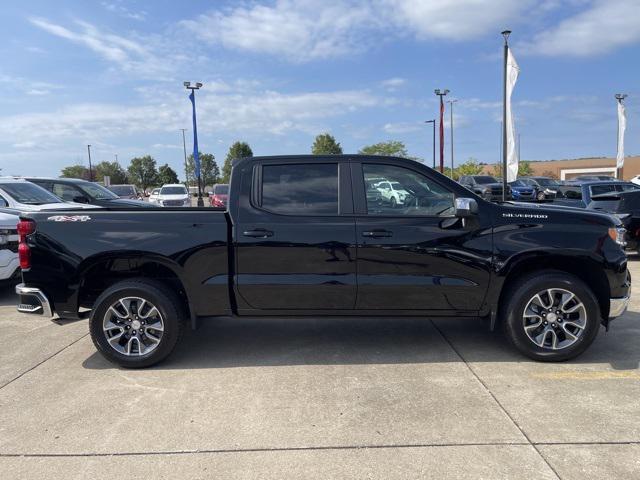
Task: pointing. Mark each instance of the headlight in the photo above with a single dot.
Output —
(550, 192)
(487, 190)
(617, 235)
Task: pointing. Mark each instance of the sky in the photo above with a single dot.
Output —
(276, 73)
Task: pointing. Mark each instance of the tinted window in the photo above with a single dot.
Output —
(600, 189)
(65, 192)
(122, 190)
(28, 193)
(412, 194)
(221, 189)
(98, 192)
(483, 180)
(173, 191)
(309, 189)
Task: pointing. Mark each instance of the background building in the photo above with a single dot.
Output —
(568, 169)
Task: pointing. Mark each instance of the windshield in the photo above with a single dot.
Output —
(29, 193)
(221, 189)
(547, 182)
(98, 192)
(518, 183)
(397, 186)
(122, 189)
(173, 191)
(483, 180)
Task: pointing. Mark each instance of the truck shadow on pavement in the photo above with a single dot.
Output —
(254, 342)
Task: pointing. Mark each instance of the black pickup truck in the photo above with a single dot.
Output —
(303, 236)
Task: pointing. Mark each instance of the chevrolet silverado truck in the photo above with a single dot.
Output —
(300, 236)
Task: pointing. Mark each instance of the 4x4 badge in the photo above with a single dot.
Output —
(69, 218)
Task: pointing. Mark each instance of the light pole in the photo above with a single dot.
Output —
(434, 140)
(116, 155)
(441, 93)
(184, 147)
(196, 158)
(90, 169)
(451, 102)
(621, 128)
(505, 34)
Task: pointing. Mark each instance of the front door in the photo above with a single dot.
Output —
(296, 237)
(415, 255)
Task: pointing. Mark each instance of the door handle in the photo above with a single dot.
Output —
(377, 233)
(258, 233)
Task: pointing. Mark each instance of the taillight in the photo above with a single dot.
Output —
(25, 227)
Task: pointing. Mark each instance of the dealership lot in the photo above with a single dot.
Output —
(318, 398)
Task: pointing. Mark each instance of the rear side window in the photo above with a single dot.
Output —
(600, 189)
(300, 189)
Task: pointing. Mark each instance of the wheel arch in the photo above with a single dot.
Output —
(588, 269)
(100, 272)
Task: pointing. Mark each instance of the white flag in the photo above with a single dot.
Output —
(622, 126)
(512, 152)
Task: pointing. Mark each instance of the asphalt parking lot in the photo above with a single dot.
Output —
(318, 398)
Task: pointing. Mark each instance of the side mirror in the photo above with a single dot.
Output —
(3, 203)
(466, 207)
(81, 199)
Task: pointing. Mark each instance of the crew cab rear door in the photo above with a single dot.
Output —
(417, 255)
(295, 236)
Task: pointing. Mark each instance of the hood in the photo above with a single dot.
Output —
(124, 202)
(55, 206)
(546, 208)
(518, 188)
(491, 185)
(180, 196)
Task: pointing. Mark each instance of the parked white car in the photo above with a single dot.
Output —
(173, 195)
(636, 180)
(153, 196)
(392, 193)
(24, 196)
(8, 246)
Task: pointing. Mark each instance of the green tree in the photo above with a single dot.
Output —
(237, 150)
(524, 169)
(392, 148)
(166, 175)
(142, 171)
(75, 171)
(113, 170)
(209, 171)
(470, 167)
(325, 144)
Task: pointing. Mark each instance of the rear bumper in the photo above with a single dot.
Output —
(33, 301)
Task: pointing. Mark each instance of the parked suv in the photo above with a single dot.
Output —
(392, 193)
(546, 188)
(219, 196)
(173, 195)
(486, 186)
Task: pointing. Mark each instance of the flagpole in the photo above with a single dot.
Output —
(505, 34)
(196, 160)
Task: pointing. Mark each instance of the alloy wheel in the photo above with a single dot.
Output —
(133, 326)
(554, 319)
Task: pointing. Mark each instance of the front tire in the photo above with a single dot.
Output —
(393, 202)
(551, 316)
(136, 323)
(541, 196)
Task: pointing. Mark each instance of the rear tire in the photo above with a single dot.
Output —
(550, 316)
(136, 323)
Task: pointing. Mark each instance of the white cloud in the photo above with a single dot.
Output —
(607, 25)
(454, 19)
(298, 30)
(117, 8)
(403, 127)
(237, 112)
(131, 55)
(392, 84)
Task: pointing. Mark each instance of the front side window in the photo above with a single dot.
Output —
(600, 189)
(410, 194)
(300, 189)
(65, 192)
(98, 192)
